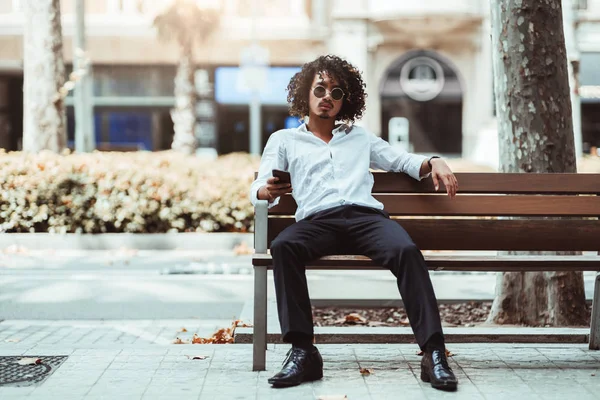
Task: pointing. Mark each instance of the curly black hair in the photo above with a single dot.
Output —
(349, 78)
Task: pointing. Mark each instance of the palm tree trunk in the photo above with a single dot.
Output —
(44, 118)
(183, 114)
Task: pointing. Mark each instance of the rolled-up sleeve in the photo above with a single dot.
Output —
(393, 159)
(273, 157)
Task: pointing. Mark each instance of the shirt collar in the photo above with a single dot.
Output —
(339, 128)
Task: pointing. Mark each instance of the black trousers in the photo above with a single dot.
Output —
(354, 230)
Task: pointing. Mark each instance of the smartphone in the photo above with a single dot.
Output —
(284, 177)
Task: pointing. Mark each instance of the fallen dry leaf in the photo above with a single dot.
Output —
(242, 249)
(333, 397)
(366, 371)
(183, 330)
(352, 318)
(221, 336)
(197, 339)
(179, 341)
(197, 357)
(29, 361)
(12, 340)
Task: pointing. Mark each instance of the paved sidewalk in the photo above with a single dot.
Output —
(135, 360)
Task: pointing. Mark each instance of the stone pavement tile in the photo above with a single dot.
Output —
(62, 392)
(301, 392)
(384, 389)
(133, 367)
(155, 351)
(592, 389)
(496, 377)
(159, 390)
(226, 378)
(583, 377)
(180, 378)
(16, 391)
(116, 389)
(14, 350)
(223, 392)
(500, 391)
(353, 391)
(564, 389)
(118, 375)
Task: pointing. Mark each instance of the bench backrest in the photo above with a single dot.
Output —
(473, 220)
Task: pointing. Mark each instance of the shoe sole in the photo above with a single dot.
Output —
(309, 378)
(447, 386)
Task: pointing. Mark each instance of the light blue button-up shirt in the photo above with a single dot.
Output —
(326, 175)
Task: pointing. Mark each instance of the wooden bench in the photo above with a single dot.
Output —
(471, 222)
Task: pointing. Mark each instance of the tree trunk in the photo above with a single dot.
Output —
(535, 130)
(44, 118)
(183, 115)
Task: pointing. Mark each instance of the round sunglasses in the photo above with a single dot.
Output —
(320, 92)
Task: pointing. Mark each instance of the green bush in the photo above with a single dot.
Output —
(125, 192)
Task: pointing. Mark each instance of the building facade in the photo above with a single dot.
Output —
(427, 66)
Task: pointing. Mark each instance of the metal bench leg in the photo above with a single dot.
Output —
(259, 339)
(595, 330)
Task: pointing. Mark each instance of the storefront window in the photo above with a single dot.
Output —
(133, 81)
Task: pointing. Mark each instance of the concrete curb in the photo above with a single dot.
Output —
(491, 334)
(115, 241)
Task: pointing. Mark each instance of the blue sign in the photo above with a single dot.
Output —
(228, 91)
(292, 122)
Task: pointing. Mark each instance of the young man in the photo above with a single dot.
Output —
(329, 167)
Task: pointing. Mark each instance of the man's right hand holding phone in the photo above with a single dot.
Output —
(273, 190)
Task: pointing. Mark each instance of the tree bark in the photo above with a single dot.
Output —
(183, 115)
(44, 118)
(535, 130)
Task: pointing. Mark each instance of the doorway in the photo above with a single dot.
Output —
(422, 89)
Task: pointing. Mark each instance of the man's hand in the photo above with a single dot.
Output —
(273, 190)
(440, 171)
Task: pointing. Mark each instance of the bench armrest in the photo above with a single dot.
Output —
(261, 219)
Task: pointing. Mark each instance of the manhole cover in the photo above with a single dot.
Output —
(14, 374)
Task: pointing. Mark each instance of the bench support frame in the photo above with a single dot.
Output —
(259, 342)
(595, 323)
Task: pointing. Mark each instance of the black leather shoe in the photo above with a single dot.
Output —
(435, 369)
(299, 366)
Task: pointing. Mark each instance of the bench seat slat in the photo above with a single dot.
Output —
(459, 263)
(475, 205)
(509, 183)
(490, 234)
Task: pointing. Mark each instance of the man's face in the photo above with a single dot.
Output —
(325, 107)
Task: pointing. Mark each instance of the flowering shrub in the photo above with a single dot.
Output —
(138, 192)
